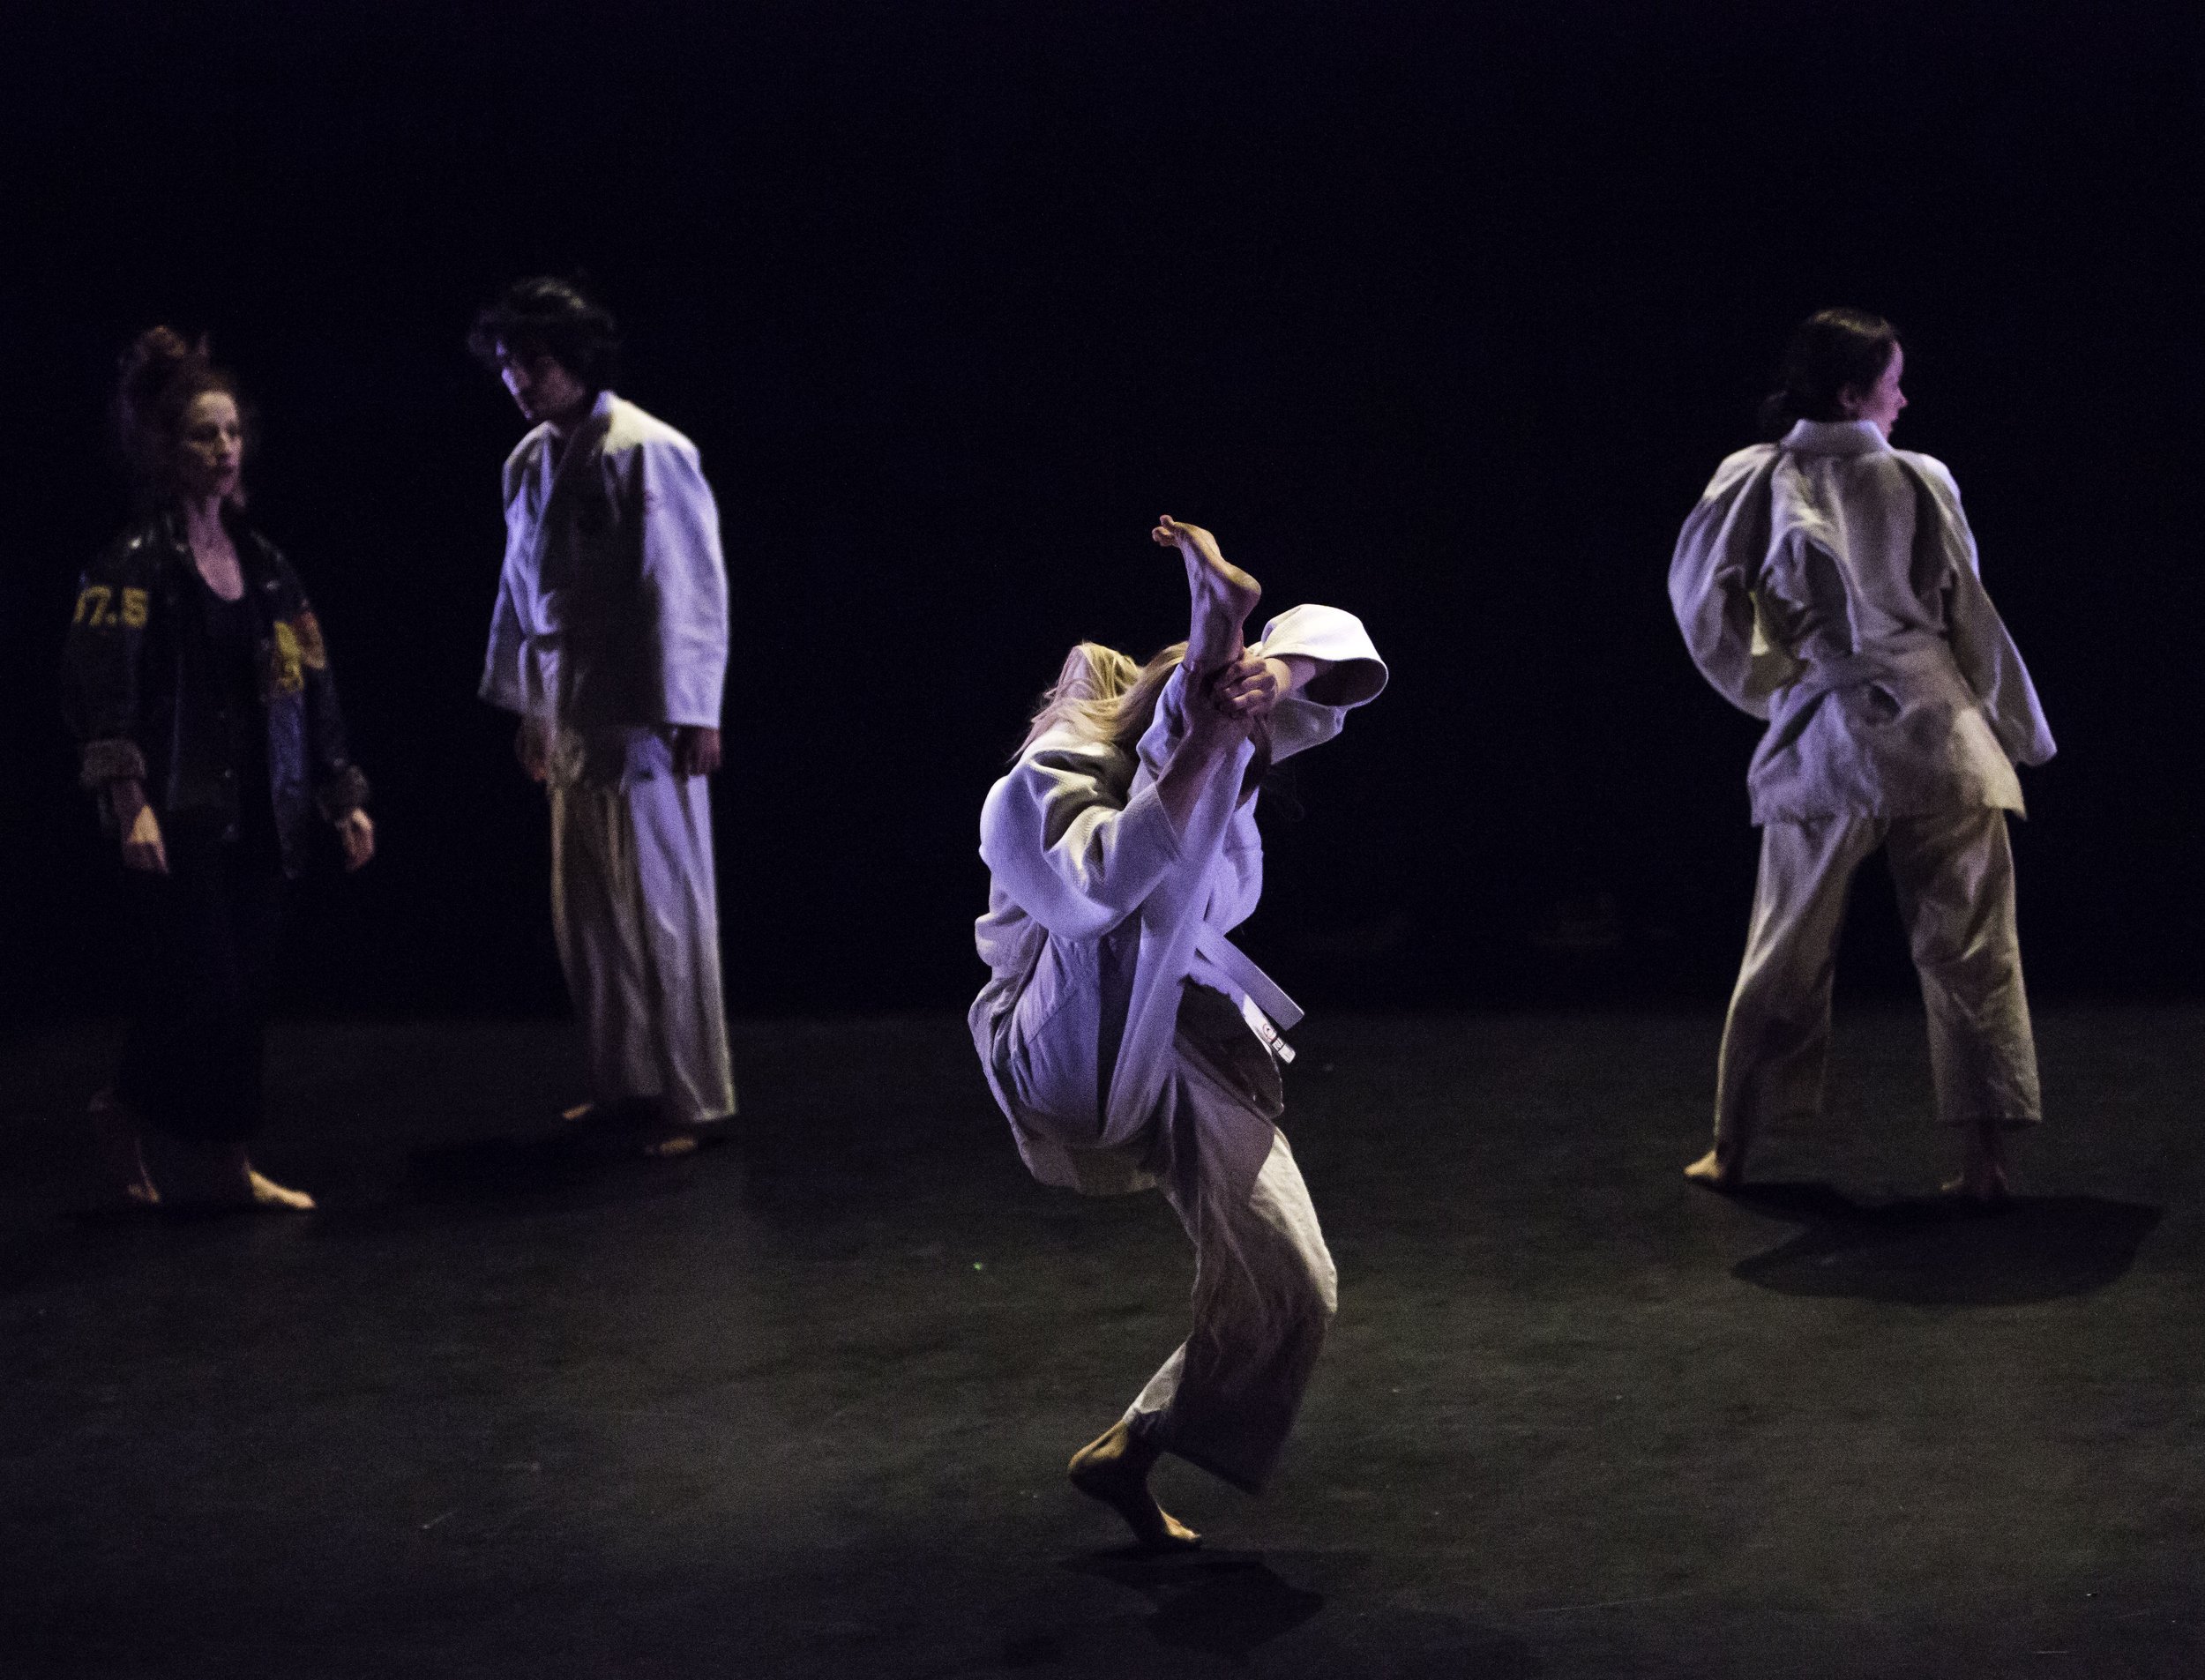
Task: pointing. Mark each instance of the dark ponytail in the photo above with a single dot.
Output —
(1831, 352)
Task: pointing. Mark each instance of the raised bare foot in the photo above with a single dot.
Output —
(1224, 595)
(1717, 1170)
(122, 1154)
(1114, 1468)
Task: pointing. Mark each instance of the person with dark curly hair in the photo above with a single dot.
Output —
(198, 687)
(1829, 584)
(609, 638)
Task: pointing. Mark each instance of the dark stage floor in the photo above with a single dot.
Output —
(799, 1407)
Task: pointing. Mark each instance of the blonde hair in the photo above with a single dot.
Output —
(1101, 696)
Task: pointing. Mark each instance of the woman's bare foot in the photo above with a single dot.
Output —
(1224, 595)
(1114, 1467)
(231, 1181)
(1718, 1169)
(122, 1154)
(1985, 1171)
(277, 1198)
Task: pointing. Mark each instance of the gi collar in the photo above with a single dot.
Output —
(1835, 438)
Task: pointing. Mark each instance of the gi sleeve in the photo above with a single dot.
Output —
(503, 660)
(1988, 660)
(103, 670)
(1357, 676)
(1237, 887)
(685, 583)
(1068, 853)
(339, 786)
(1711, 577)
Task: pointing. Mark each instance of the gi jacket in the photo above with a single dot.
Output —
(140, 691)
(1828, 583)
(1075, 852)
(612, 605)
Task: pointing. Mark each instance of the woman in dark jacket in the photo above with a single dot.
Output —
(200, 692)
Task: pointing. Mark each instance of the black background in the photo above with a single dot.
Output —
(1443, 315)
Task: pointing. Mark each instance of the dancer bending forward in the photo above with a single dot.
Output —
(1128, 1042)
(1827, 582)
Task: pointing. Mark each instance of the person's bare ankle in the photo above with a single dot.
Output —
(1114, 1468)
(1719, 1169)
(114, 1132)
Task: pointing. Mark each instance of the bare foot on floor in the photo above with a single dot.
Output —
(114, 1132)
(1716, 1171)
(1224, 595)
(273, 1198)
(1114, 1468)
(1985, 1173)
(228, 1181)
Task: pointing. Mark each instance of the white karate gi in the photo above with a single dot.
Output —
(1127, 1041)
(1828, 583)
(610, 629)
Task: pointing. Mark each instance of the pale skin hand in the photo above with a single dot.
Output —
(1252, 688)
(143, 849)
(356, 833)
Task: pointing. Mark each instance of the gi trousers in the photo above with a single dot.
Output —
(1955, 875)
(635, 910)
(1265, 1293)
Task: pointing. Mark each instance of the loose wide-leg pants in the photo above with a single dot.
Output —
(635, 910)
(1265, 1293)
(1955, 875)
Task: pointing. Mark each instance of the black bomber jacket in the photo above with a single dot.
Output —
(141, 694)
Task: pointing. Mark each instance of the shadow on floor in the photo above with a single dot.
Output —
(1231, 1605)
(1224, 1603)
(1941, 1253)
(578, 1159)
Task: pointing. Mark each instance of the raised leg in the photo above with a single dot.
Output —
(1222, 595)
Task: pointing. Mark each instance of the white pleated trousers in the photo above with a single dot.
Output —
(1955, 875)
(635, 910)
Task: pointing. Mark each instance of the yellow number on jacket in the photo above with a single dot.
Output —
(284, 672)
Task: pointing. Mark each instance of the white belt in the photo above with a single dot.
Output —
(1266, 1008)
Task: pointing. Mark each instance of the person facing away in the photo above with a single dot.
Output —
(1828, 583)
(609, 637)
(198, 685)
(1126, 1038)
